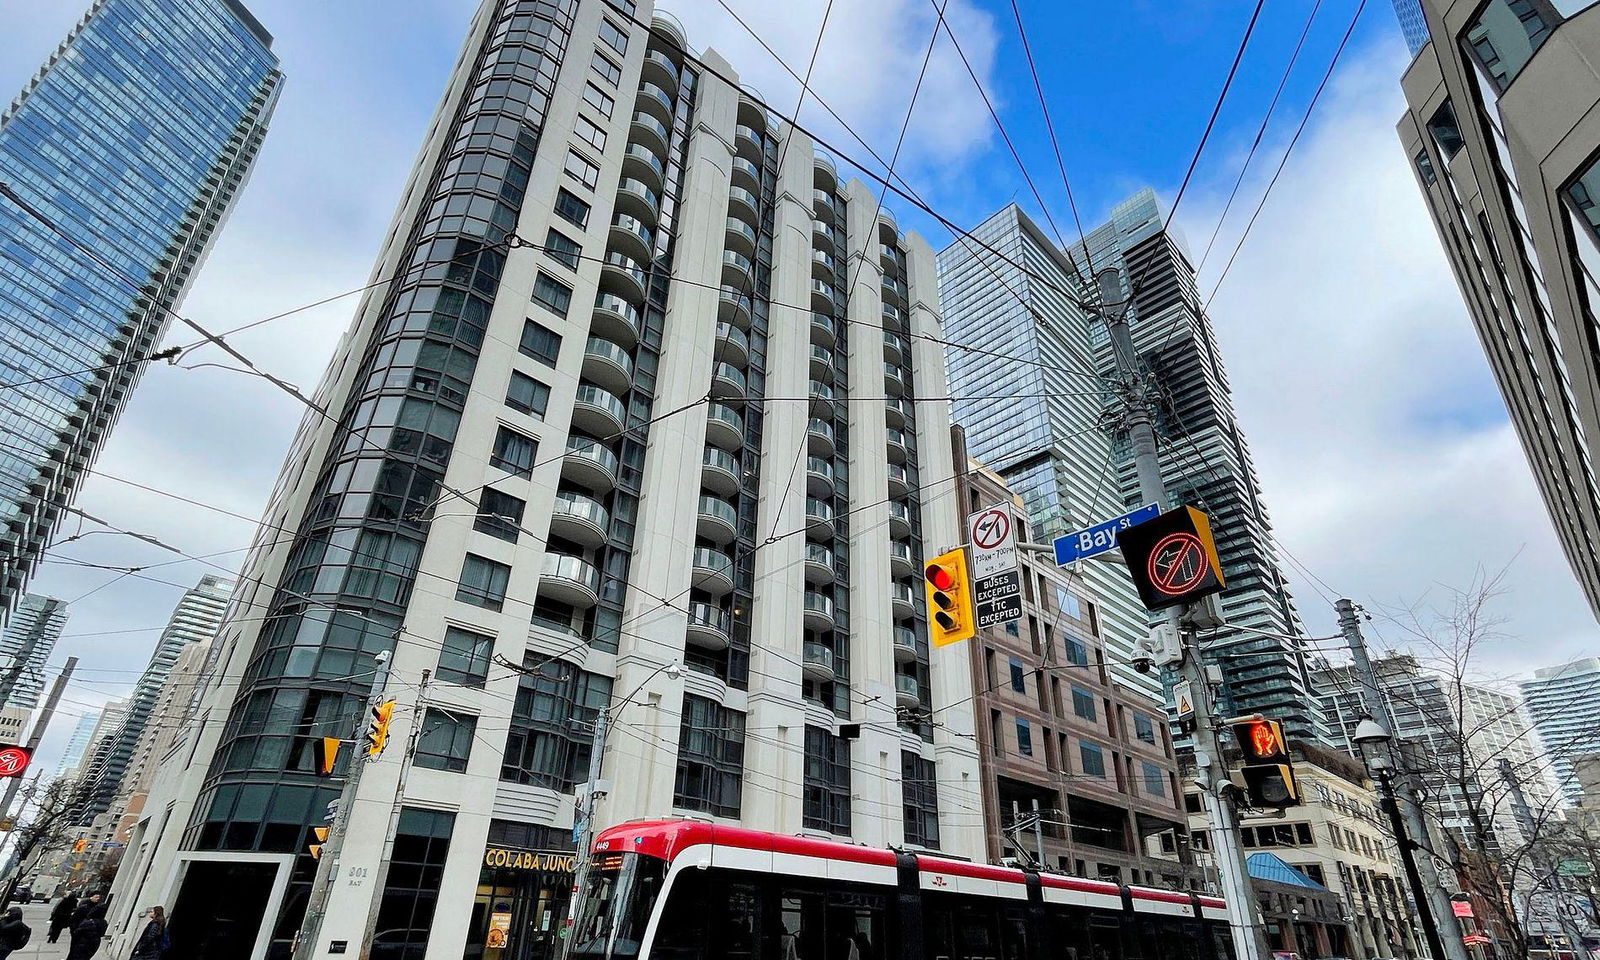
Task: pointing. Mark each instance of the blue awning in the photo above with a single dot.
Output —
(1269, 866)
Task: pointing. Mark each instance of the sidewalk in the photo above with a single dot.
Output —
(37, 917)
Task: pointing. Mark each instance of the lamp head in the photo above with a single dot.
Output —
(674, 670)
(1370, 733)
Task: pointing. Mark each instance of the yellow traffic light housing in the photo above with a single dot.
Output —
(950, 616)
(1268, 769)
(315, 849)
(378, 729)
(325, 753)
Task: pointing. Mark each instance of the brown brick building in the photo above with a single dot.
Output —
(1055, 730)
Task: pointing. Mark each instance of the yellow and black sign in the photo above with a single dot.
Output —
(1172, 558)
(527, 860)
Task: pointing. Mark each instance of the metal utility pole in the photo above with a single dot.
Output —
(1529, 827)
(1408, 857)
(381, 878)
(310, 932)
(1416, 824)
(1249, 940)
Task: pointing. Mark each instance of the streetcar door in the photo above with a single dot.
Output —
(1105, 939)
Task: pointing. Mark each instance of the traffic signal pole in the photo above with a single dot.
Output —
(1407, 809)
(1249, 940)
(310, 932)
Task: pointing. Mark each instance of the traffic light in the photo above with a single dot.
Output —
(80, 845)
(315, 849)
(1267, 769)
(950, 617)
(325, 752)
(378, 729)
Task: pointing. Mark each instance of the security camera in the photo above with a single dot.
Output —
(1142, 664)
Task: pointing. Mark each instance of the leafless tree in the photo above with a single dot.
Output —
(45, 824)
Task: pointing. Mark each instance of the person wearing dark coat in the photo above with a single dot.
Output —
(61, 916)
(14, 933)
(85, 908)
(87, 934)
(152, 940)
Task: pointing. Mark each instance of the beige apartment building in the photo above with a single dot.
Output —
(1057, 734)
(1336, 839)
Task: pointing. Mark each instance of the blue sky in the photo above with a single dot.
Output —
(1383, 447)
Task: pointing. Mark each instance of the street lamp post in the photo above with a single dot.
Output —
(1370, 733)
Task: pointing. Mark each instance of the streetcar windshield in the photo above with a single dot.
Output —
(619, 896)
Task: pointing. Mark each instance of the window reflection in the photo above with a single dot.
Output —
(1506, 34)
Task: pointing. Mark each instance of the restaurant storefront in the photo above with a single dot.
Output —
(523, 889)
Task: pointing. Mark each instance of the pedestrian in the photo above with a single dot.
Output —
(14, 933)
(87, 934)
(85, 907)
(153, 940)
(61, 916)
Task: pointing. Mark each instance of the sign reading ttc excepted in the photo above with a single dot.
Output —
(996, 584)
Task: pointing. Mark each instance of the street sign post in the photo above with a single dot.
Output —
(996, 582)
(1100, 537)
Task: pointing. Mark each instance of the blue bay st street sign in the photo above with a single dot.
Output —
(1100, 537)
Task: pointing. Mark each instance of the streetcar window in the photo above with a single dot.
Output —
(623, 888)
(1222, 940)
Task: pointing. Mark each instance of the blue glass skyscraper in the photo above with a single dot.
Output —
(132, 141)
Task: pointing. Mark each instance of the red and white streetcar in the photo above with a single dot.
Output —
(689, 890)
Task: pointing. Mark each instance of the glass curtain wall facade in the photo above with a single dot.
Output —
(164, 104)
(561, 461)
(25, 645)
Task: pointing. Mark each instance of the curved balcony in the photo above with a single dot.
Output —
(901, 560)
(728, 382)
(635, 196)
(894, 318)
(733, 345)
(895, 347)
(822, 204)
(820, 391)
(886, 219)
(905, 645)
(747, 142)
(823, 266)
(569, 579)
(896, 411)
(899, 480)
(824, 232)
(633, 237)
(819, 519)
(719, 472)
(890, 257)
(640, 161)
(578, 517)
(822, 330)
(650, 132)
(724, 427)
(589, 464)
(818, 612)
(896, 442)
(744, 204)
(708, 626)
(746, 174)
(819, 437)
(741, 236)
(717, 520)
(598, 411)
(899, 519)
(819, 477)
(903, 600)
(712, 571)
(822, 295)
(608, 365)
(734, 307)
(893, 290)
(824, 173)
(819, 563)
(656, 101)
(907, 691)
(660, 68)
(894, 383)
(615, 319)
(621, 273)
(736, 269)
(668, 28)
(821, 363)
(816, 659)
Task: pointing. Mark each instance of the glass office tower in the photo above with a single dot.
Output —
(132, 142)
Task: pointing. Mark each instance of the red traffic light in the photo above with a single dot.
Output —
(940, 577)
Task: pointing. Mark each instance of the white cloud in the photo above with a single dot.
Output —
(1383, 446)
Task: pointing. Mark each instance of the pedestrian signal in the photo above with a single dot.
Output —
(378, 729)
(1268, 769)
(325, 753)
(950, 617)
